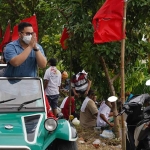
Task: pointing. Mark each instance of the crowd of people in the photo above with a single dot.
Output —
(90, 114)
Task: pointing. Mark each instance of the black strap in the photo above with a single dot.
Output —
(81, 84)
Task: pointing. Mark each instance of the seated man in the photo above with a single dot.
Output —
(65, 106)
(103, 115)
(88, 113)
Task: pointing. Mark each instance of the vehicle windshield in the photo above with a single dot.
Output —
(140, 99)
(16, 91)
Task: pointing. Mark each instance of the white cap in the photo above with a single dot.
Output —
(112, 98)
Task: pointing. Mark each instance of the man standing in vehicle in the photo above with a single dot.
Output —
(52, 82)
(23, 55)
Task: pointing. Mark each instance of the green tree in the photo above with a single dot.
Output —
(98, 60)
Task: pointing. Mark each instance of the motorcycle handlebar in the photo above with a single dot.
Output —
(119, 114)
(124, 110)
(128, 108)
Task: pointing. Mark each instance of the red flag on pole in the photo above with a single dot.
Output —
(108, 22)
(63, 38)
(1, 32)
(0, 47)
(31, 20)
(7, 37)
(15, 33)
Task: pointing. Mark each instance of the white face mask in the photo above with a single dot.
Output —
(27, 38)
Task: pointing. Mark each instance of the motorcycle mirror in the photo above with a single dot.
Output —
(112, 98)
(148, 82)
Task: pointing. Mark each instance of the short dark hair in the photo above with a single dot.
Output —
(22, 25)
(52, 62)
(91, 92)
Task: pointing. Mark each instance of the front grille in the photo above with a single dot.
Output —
(14, 148)
(31, 125)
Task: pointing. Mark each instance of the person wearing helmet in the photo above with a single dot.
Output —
(65, 83)
(64, 75)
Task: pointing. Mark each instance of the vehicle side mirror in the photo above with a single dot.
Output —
(112, 98)
(148, 82)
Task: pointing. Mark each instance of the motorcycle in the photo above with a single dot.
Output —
(137, 118)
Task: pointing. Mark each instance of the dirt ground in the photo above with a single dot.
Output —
(87, 137)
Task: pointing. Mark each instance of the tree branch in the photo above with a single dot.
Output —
(14, 8)
(110, 82)
(115, 77)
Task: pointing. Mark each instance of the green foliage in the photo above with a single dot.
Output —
(77, 16)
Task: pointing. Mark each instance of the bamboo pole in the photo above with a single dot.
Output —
(70, 84)
(122, 79)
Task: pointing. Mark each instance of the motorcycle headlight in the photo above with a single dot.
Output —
(50, 124)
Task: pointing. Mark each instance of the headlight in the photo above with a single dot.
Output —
(50, 124)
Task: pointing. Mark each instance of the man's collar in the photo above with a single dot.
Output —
(17, 42)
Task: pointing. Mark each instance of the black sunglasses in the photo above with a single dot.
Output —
(28, 33)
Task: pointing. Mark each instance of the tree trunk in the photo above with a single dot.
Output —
(114, 105)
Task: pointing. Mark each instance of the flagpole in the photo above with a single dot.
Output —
(70, 103)
(123, 79)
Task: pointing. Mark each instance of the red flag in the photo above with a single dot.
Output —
(1, 32)
(108, 22)
(31, 20)
(0, 47)
(63, 38)
(15, 33)
(7, 37)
